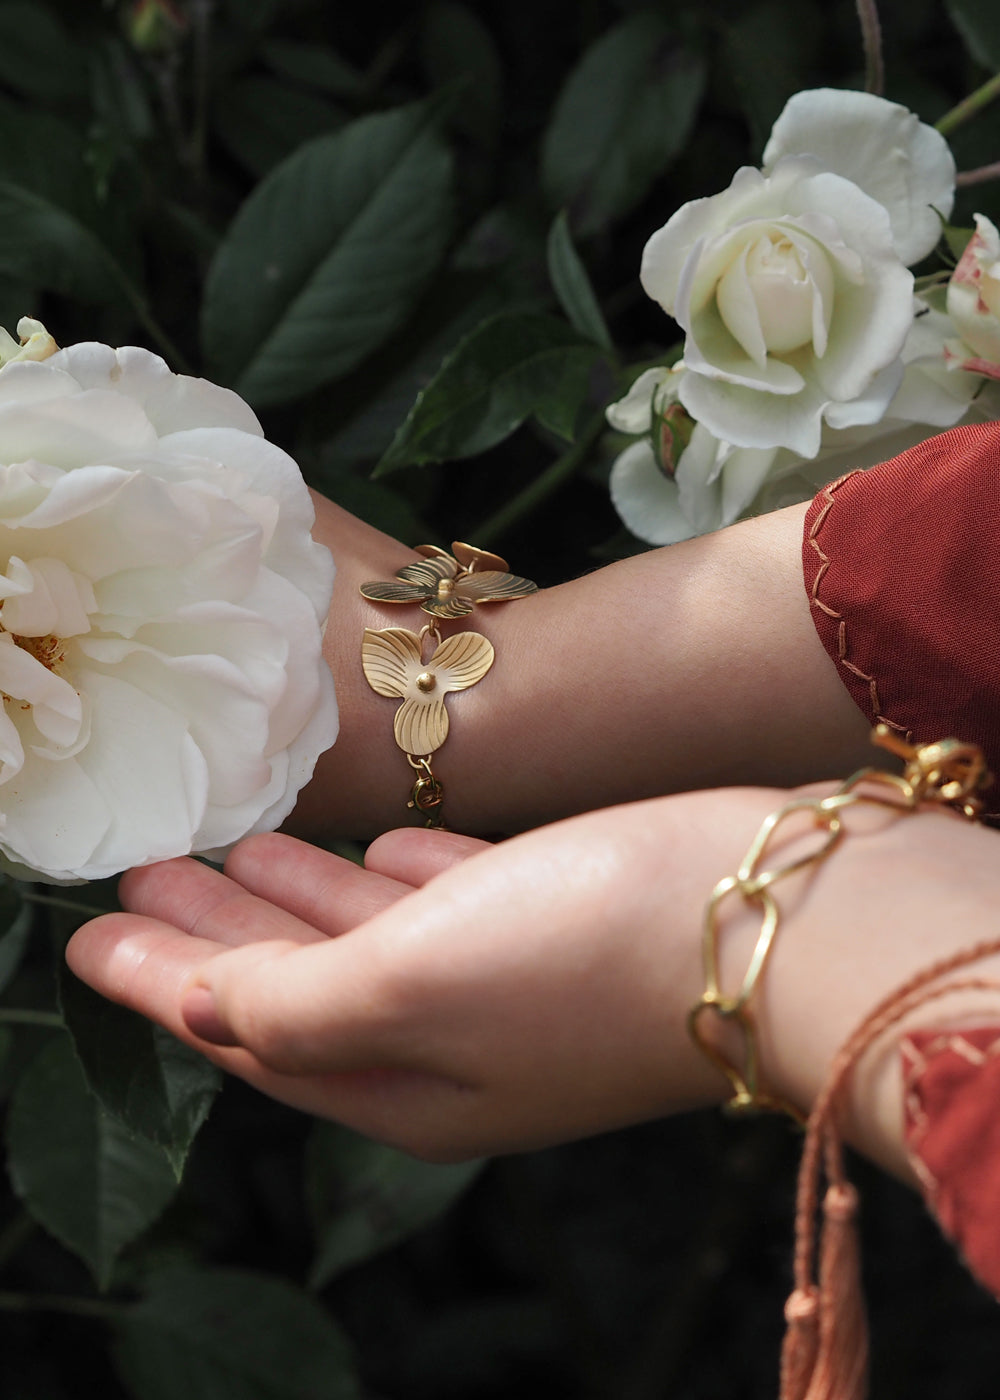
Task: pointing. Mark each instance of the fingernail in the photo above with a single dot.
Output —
(201, 1017)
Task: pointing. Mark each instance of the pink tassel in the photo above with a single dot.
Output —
(825, 1352)
(840, 1370)
(798, 1353)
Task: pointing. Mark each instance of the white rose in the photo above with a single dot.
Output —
(679, 480)
(161, 607)
(882, 148)
(794, 302)
(974, 304)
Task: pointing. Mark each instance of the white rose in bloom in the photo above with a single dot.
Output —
(161, 607)
(794, 302)
(882, 148)
(679, 480)
(974, 304)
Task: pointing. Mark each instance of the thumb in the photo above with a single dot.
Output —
(297, 1015)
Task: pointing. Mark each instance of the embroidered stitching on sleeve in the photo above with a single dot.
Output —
(842, 644)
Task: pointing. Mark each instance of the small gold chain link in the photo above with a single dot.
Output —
(427, 794)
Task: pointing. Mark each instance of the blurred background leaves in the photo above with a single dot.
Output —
(411, 239)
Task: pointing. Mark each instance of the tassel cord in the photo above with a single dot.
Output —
(821, 1135)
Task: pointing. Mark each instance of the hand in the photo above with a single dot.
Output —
(453, 998)
(456, 999)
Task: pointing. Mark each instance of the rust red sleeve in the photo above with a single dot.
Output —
(951, 1084)
(902, 567)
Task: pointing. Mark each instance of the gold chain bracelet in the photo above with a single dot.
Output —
(948, 773)
(447, 587)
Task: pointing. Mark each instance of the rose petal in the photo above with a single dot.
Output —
(647, 501)
(172, 402)
(883, 149)
(634, 413)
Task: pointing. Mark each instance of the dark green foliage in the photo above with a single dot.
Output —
(78, 1171)
(156, 1087)
(365, 1197)
(200, 1334)
(508, 369)
(410, 237)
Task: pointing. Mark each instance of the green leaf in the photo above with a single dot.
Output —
(120, 99)
(458, 48)
(15, 925)
(623, 114)
(367, 411)
(46, 245)
(78, 1171)
(226, 1334)
(510, 368)
(49, 214)
(37, 55)
(978, 22)
(956, 239)
(328, 255)
(261, 121)
(365, 1197)
(149, 1081)
(572, 285)
(315, 66)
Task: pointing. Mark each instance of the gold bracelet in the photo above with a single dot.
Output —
(948, 773)
(446, 586)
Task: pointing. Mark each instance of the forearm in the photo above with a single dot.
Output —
(899, 894)
(684, 667)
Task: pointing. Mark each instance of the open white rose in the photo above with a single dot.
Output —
(794, 302)
(974, 304)
(678, 480)
(161, 607)
(882, 148)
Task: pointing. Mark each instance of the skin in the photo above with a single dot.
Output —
(456, 998)
(681, 668)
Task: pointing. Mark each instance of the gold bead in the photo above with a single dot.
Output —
(426, 682)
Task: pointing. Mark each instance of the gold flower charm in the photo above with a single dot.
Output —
(447, 585)
(394, 666)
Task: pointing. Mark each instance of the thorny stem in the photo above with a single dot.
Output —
(543, 485)
(969, 106)
(871, 38)
(979, 176)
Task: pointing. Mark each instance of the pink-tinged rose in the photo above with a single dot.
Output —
(974, 304)
(161, 614)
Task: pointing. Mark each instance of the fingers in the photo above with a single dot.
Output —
(290, 1015)
(274, 888)
(149, 966)
(415, 855)
(323, 890)
(141, 963)
(330, 1008)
